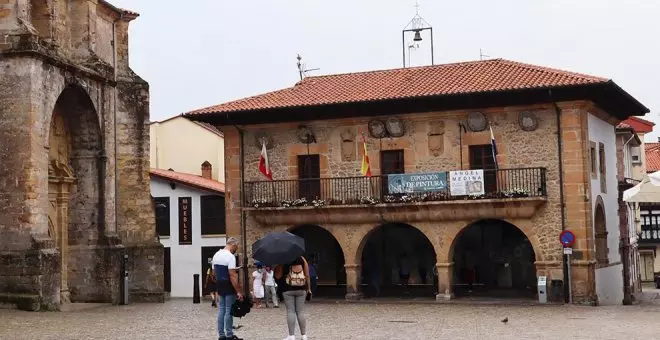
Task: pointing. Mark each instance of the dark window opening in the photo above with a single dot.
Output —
(162, 215)
(481, 158)
(213, 215)
(309, 174)
(391, 162)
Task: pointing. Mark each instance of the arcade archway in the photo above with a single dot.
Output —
(493, 258)
(397, 260)
(74, 191)
(326, 255)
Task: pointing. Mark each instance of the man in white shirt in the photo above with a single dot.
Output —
(226, 274)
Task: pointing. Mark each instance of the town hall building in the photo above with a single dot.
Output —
(475, 170)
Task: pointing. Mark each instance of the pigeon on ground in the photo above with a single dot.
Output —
(505, 320)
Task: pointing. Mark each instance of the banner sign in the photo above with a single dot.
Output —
(415, 183)
(466, 182)
(185, 220)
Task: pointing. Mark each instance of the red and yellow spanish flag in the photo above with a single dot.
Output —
(366, 167)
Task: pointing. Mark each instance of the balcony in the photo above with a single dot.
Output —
(650, 234)
(503, 193)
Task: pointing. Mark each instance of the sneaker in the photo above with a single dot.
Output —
(234, 337)
(304, 337)
(222, 338)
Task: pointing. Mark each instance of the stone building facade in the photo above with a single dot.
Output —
(75, 170)
(537, 191)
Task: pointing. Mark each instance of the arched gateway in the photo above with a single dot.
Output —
(325, 253)
(74, 191)
(397, 259)
(493, 258)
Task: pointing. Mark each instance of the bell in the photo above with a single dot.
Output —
(418, 36)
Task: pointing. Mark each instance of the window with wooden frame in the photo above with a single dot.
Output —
(162, 205)
(593, 163)
(213, 215)
(601, 168)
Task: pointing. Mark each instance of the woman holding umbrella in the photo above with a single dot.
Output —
(285, 250)
(296, 287)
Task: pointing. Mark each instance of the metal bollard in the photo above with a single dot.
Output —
(196, 297)
(124, 280)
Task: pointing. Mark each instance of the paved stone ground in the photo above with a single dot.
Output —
(180, 319)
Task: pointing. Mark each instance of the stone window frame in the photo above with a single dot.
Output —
(602, 169)
(593, 165)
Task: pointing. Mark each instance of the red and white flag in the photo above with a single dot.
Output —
(264, 167)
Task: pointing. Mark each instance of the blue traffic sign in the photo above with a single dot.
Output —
(567, 238)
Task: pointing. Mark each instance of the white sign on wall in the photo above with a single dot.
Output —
(466, 182)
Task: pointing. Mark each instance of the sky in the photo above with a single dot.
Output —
(198, 53)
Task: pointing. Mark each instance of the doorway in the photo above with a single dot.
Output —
(493, 258)
(391, 162)
(481, 158)
(646, 265)
(309, 174)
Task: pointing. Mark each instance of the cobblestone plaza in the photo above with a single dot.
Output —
(180, 319)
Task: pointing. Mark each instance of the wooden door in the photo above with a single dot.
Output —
(391, 162)
(481, 158)
(646, 266)
(309, 174)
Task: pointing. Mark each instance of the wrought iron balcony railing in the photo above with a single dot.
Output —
(494, 184)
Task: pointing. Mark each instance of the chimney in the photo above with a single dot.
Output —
(207, 170)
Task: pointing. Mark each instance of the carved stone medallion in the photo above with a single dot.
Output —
(528, 121)
(476, 121)
(377, 129)
(394, 127)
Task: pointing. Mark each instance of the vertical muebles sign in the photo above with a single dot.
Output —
(185, 220)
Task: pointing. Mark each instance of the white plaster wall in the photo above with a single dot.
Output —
(609, 285)
(185, 259)
(182, 145)
(609, 280)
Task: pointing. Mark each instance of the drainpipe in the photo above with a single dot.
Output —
(567, 290)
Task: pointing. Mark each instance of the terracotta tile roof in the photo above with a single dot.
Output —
(639, 124)
(189, 179)
(652, 157)
(495, 75)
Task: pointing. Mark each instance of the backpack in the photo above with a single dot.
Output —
(296, 279)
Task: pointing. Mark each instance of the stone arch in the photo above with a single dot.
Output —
(389, 251)
(493, 254)
(327, 254)
(600, 232)
(75, 188)
(454, 233)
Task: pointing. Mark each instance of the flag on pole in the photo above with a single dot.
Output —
(366, 167)
(264, 167)
(493, 146)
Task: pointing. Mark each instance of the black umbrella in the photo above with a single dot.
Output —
(278, 248)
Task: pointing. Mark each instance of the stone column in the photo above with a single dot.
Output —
(445, 274)
(353, 278)
(63, 226)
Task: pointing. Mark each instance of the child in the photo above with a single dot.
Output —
(258, 284)
(209, 284)
(271, 291)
